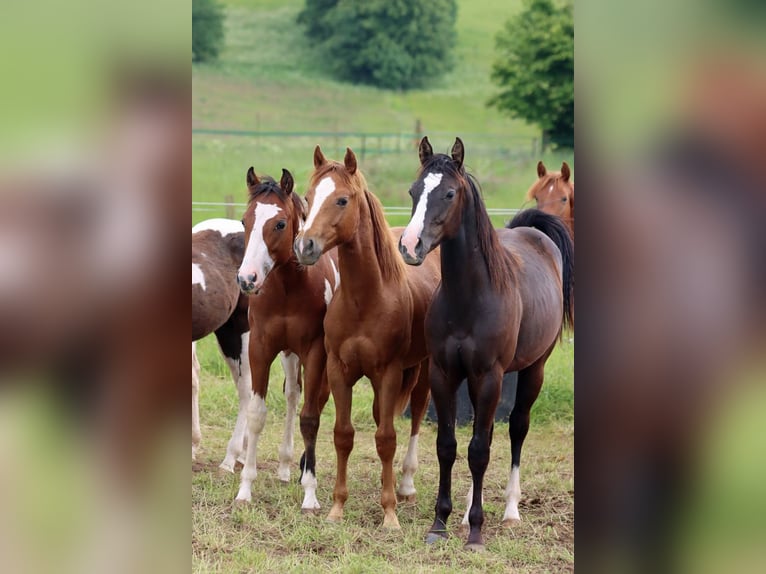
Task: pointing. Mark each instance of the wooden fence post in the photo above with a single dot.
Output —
(229, 199)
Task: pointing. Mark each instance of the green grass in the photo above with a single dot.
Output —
(268, 79)
(272, 536)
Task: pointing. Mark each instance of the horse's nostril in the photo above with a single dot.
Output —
(310, 244)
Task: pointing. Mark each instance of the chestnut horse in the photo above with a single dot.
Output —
(503, 299)
(374, 325)
(218, 307)
(287, 309)
(554, 193)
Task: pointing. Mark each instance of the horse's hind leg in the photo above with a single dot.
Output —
(485, 394)
(529, 383)
(418, 405)
(196, 432)
(315, 397)
(292, 368)
(234, 346)
(341, 384)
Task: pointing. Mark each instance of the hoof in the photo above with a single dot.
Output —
(411, 498)
(224, 472)
(334, 519)
(391, 524)
(511, 522)
(435, 537)
(239, 503)
(475, 547)
(310, 511)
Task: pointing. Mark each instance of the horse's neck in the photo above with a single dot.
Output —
(357, 262)
(291, 275)
(462, 263)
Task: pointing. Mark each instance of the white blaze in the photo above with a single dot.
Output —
(322, 192)
(257, 259)
(198, 277)
(414, 228)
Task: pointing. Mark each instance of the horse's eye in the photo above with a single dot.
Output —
(342, 202)
(450, 194)
(563, 200)
(280, 225)
(242, 221)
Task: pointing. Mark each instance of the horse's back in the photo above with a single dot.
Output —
(539, 283)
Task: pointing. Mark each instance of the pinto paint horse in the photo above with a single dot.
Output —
(501, 305)
(287, 310)
(374, 325)
(218, 307)
(554, 193)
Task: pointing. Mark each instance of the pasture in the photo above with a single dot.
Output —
(267, 80)
(272, 535)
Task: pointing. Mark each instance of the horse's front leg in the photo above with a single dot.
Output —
(292, 367)
(418, 405)
(485, 394)
(341, 384)
(443, 396)
(260, 364)
(315, 397)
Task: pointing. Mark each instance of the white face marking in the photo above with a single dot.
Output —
(550, 189)
(322, 192)
(257, 260)
(198, 277)
(414, 228)
(223, 226)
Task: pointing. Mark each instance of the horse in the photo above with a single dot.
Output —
(502, 303)
(218, 307)
(554, 193)
(374, 325)
(287, 310)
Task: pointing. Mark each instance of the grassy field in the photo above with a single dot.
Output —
(269, 79)
(272, 536)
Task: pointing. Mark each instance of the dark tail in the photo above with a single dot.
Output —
(554, 228)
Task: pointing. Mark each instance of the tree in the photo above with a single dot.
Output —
(400, 44)
(207, 30)
(535, 69)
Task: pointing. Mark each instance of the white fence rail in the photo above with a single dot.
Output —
(391, 209)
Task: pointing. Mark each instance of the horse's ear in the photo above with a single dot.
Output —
(565, 173)
(541, 171)
(252, 179)
(287, 183)
(319, 158)
(350, 161)
(425, 151)
(457, 152)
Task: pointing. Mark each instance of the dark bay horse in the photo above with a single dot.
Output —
(219, 307)
(554, 193)
(287, 309)
(374, 325)
(501, 305)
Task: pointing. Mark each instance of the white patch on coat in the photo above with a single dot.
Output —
(221, 225)
(198, 277)
(257, 259)
(414, 228)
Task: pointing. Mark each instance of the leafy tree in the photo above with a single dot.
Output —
(535, 69)
(207, 30)
(400, 44)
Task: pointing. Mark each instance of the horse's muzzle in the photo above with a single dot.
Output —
(247, 284)
(409, 259)
(307, 250)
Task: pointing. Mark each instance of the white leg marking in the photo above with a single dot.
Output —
(414, 228)
(198, 277)
(469, 503)
(221, 225)
(409, 467)
(257, 259)
(323, 190)
(309, 484)
(196, 432)
(240, 371)
(291, 365)
(256, 419)
(512, 496)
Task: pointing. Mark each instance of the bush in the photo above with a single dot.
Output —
(535, 69)
(207, 30)
(399, 44)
